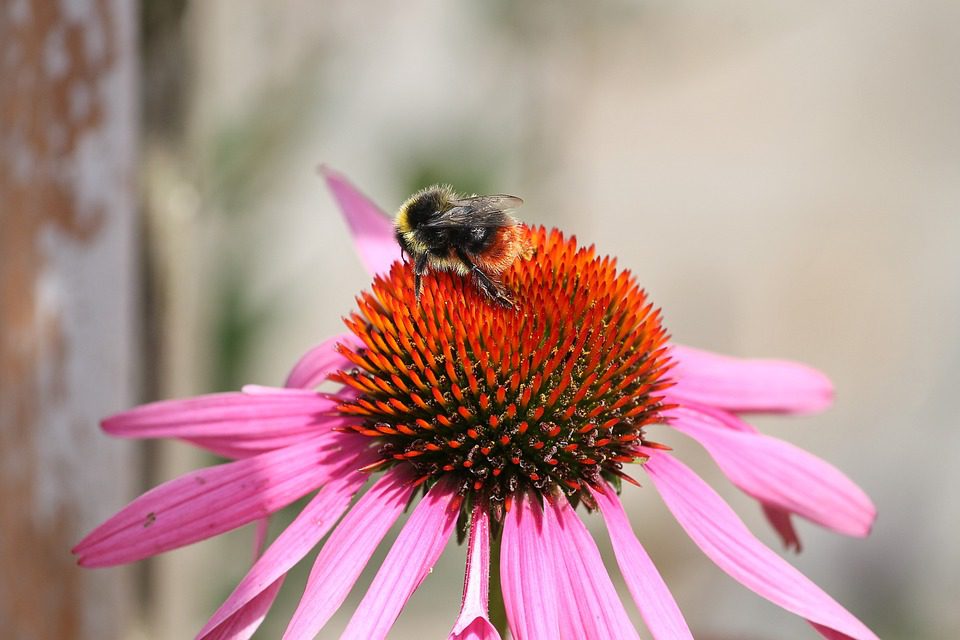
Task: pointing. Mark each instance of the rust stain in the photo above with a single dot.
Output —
(50, 97)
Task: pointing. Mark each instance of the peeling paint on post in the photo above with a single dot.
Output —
(67, 318)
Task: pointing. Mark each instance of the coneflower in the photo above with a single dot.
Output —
(507, 420)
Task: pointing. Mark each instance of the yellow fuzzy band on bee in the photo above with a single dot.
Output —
(415, 245)
(447, 263)
(402, 223)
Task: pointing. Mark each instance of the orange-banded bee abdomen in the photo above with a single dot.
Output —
(507, 245)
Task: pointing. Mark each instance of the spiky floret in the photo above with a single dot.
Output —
(552, 395)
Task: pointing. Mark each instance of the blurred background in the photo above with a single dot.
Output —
(784, 178)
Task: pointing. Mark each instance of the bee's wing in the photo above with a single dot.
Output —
(478, 211)
(498, 202)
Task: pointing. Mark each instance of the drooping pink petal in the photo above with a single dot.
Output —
(409, 561)
(595, 605)
(261, 528)
(778, 386)
(651, 594)
(528, 577)
(780, 474)
(782, 522)
(206, 502)
(473, 622)
(568, 612)
(724, 417)
(306, 530)
(320, 361)
(237, 448)
(780, 519)
(723, 537)
(346, 553)
(254, 413)
(479, 629)
(372, 229)
(245, 622)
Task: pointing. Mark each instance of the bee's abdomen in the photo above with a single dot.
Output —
(504, 246)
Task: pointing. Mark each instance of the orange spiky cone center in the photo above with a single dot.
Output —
(553, 395)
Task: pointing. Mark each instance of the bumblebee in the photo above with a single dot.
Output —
(473, 236)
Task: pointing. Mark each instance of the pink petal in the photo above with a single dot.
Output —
(372, 229)
(261, 413)
(723, 537)
(528, 577)
(237, 448)
(780, 474)
(209, 501)
(724, 417)
(320, 361)
(567, 609)
(649, 591)
(303, 534)
(243, 624)
(347, 551)
(479, 629)
(265, 390)
(473, 622)
(409, 561)
(779, 386)
(782, 523)
(779, 519)
(595, 605)
(261, 528)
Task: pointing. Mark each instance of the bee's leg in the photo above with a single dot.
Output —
(490, 287)
(419, 269)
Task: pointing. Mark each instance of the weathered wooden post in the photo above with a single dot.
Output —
(68, 330)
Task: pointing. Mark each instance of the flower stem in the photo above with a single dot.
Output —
(498, 610)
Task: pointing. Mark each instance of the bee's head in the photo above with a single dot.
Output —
(426, 204)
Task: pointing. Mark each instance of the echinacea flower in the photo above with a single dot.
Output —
(507, 420)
